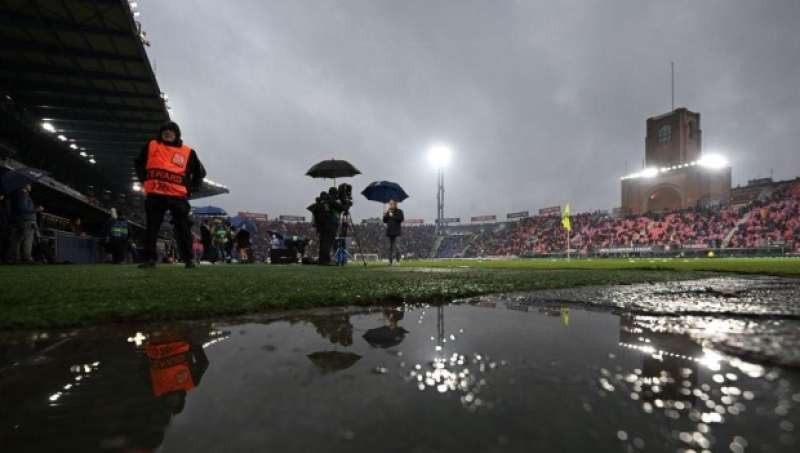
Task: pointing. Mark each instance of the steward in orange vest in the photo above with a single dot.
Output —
(169, 171)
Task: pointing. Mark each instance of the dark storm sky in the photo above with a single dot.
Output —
(542, 102)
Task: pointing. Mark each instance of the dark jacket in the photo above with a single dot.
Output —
(393, 222)
(5, 214)
(195, 172)
(22, 207)
(205, 235)
(119, 229)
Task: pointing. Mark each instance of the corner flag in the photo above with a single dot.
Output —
(565, 218)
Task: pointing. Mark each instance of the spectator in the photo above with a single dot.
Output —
(242, 240)
(23, 226)
(219, 240)
(5, 227)
(118, 236)
(76, 226)
(205, 237)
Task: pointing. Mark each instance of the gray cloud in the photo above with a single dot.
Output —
(543, 102)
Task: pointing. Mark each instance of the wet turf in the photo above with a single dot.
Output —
(59, 296)
(79, 295)
(766, 266)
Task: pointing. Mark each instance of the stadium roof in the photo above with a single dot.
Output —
(80, 66)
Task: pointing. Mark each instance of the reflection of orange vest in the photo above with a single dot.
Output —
(166, 169)
(169, 367)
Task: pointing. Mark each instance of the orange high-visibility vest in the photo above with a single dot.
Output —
(169, 367)
(166, 169)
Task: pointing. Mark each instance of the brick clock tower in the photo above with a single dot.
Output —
(676, 175)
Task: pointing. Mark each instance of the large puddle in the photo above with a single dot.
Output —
(494, 374)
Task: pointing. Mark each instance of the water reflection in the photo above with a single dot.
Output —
(100, 393)
(176, 366)
(330, 361)
(698, 387)
(496, 375)
(391, 334)
(335, 328)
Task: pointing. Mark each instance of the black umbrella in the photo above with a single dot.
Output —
(385, 337)
(333, 169)
(330, 361)
(16, 179)
(384, 191)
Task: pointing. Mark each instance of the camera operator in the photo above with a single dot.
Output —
(326, 223)
(393, 218)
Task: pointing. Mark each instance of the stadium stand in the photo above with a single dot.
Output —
(767, 224)
(78, 99)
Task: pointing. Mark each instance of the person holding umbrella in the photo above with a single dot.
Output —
(393, 218)
(170, 171)
(391, 192)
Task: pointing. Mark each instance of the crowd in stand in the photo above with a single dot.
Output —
(763, 223)
(774, 221)
(770, 221)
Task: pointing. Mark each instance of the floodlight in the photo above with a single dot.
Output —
(713, 161)
(649, 172)
(48, 127)
(439, 156)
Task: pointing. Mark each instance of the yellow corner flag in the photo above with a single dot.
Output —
(565, 218)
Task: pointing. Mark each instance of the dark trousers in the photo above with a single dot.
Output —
(326, 238)
(118, 248)
(5, 236)
(155, 207)
(393, 252)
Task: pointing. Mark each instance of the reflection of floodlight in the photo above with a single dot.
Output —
(48, 127)
(649, 172)
(137, 187)
(439, 156)
(713, 161)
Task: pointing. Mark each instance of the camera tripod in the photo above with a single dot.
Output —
(345, 225)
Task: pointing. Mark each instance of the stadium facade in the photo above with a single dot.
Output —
(675, 174)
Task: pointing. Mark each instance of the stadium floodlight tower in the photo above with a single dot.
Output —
(439, 156)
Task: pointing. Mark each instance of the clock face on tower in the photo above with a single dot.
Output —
(664, 134)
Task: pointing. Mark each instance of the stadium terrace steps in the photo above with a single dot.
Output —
(729, 235)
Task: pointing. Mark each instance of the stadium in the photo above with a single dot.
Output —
(663, 303)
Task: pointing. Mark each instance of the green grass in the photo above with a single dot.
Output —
(61, 296)
(767, 266)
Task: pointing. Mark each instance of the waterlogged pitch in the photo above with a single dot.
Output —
(61, 296)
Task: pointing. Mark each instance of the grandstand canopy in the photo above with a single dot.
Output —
(81, 66)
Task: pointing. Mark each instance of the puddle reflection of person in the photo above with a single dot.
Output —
(391, 334)
(176, 367)
(335, 328)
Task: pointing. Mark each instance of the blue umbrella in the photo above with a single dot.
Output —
(209, 211)
(16, 179)
(239, 222)
(383, 191)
